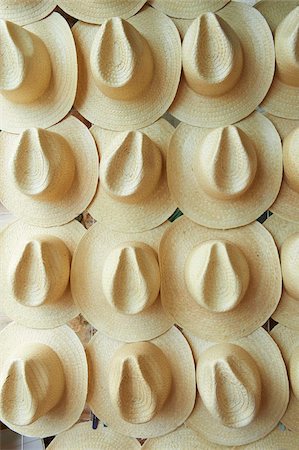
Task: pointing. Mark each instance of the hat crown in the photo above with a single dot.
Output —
(25, 69)
(290, 151)
(226, 163)
(229, 384)
(212, 56)
(289, 255)
(140, 381)
(294, 372)
(39, 271)
(121, 60)
(131, 277)
(42, 165)
(31, 384)
(287, 49)
(132, 167)
(217, 275)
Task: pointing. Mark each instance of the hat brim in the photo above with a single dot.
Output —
(287, 341)
(189, 9)
(247, 94)
(71, 354)
(97, 11)
(49, 315)
(282, 100)
(287, 311)
(88, 294)
(195, 203)
(259, 301)
(275, 11)
(282, 125)
(149, 212)
(275, 392)
(59, 97)
(83, 437)
(26, 13)
(164, 41)
(75, 201)
(177, 407)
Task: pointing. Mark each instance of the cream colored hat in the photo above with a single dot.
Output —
(38, 76)
(219, 284)
(83, 437)
(97, 11)
(188, 9)
(243, 388)
(283, 97)
(40, 372)
(286, 236)
(283, 126)
(219, 87)
(115, 281)
(133, 87)
(225, 177)
(48, 177)
(142, 389)
(288, 343)
(275, 11)
(286, 204)
(35, 273)
(133, 190)
(27, 11)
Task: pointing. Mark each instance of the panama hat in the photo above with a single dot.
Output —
(48, 177)
(225, 177)
(219, 89)
(40, 372)
(27, 11)
(283, 96)
(286, 204)
(275, 11)
(83, 437)
(115, 281)
(38, 76)
(282, 125)
(141, 389)
(189, 9)
(132, 88)
(288, 343)
(35, 273)
(133, 189)
(243, 388)
(286, 237)
(97, 11)
(219, 284)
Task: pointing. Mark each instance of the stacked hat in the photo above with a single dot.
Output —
(91, 98)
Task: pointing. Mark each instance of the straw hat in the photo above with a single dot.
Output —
(48, 177)
(42, 58)
(25, 12)
(83, 437)
(225, 177)
(219, 284)
(115, 281)
(243, 388)
(275, 11)
(223, 89)
(189, 9)
(283, 126)
(134, 92)
(141, 389)
(40, 372)
(133, 191)
(35, 273)
(288, 343)
(286, 204)
(283, 97)
(286, 236)
(97, 11)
